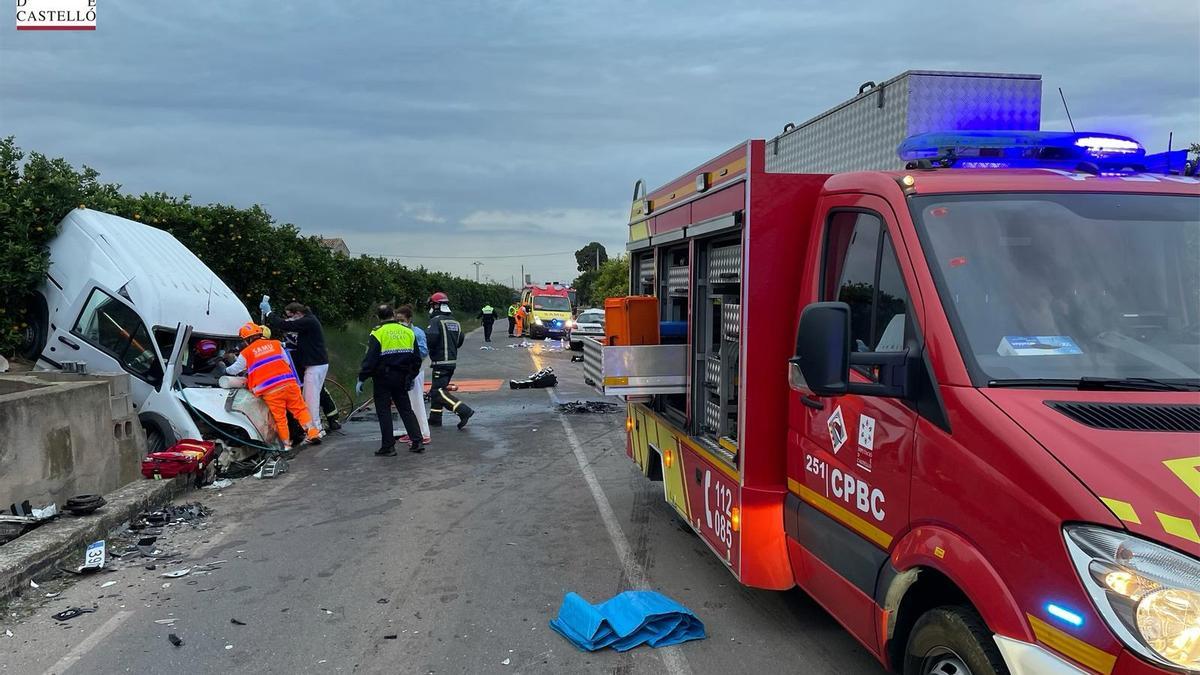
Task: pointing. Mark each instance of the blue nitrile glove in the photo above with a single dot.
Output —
(358, 387)
(265, 305)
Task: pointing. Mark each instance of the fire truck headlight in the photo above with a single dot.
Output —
(1149, 595)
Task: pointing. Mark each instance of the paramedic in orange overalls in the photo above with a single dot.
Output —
(521, 317)
(271, 377)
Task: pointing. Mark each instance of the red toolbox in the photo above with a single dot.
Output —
(186, 456)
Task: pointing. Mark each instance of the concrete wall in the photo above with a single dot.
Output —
(62, 435)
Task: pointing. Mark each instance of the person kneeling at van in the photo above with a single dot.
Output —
(271, 377)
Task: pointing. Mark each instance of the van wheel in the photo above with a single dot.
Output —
(156, 440)
(952, 640)
(37, 329)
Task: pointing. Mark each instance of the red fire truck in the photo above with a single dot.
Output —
(956, 400)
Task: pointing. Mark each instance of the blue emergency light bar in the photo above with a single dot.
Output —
(1026, 149)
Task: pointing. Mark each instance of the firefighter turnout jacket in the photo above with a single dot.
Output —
(391, 355)
(445, 336)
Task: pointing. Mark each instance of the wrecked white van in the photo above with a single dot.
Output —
(121, 296)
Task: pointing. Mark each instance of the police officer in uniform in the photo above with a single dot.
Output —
(444, 336)
(488, 315)
(392, 362)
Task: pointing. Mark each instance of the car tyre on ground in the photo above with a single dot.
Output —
(952, 640)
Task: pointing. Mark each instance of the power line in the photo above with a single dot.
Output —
(470, 257)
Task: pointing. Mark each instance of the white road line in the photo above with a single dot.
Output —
(673, 658)
(88, 643)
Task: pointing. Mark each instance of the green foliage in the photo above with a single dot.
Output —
(585, 258)
(612, 281)
(246, 248)
(583, 287)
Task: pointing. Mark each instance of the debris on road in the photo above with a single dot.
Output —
(170, 515)
(390, 637)
(107, 584)
(175, 640)
(272, 467)
(175, 574)
(71, 613)
(542, 379)
(82, 505)
(382, 601)
(237, 623)
(589, 407)
(165, 622)
(8, 633)
(487, 348)
(33, 584)
(577, 358)
(625, 621)
(93, 557)
(219, 484)
(505, 662)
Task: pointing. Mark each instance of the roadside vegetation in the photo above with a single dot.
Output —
(246, 248)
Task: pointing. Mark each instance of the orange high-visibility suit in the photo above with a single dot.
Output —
(271, 377)
(522, 315)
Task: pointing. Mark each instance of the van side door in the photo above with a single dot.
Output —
(849, 457)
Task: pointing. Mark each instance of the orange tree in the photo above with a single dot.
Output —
(246, 248)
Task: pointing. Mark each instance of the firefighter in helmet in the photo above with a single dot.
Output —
(445, 337)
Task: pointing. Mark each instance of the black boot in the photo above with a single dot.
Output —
(331, 424)
(389, 451)
(435, 420)
(464, 415)
(417, 447)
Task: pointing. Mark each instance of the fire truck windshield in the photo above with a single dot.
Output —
(1066, 287)
(552, 303)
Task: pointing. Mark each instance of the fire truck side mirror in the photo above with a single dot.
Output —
(822, 361)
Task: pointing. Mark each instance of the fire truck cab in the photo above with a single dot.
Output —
(973, 433)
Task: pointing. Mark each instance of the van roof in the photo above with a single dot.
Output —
(167, 283)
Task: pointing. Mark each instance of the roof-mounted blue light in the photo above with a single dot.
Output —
(1024, 149)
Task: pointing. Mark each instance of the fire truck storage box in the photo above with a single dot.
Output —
(631, 320)
(635, 370)
(862, 133)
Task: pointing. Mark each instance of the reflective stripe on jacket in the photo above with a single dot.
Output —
(445, 337)
(267, 366)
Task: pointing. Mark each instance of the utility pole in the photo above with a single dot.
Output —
(597, 258)
(522, 277)
(476, 264)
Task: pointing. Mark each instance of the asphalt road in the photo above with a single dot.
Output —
(462, 554)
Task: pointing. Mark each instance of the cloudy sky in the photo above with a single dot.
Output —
(453, 131)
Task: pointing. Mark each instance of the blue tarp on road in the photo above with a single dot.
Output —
(626, 621)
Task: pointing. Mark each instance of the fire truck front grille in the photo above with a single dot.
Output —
(1131, 417)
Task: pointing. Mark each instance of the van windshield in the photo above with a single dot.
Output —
(1068, 286)
(552, 303)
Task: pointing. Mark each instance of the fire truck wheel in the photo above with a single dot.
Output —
(952, 640)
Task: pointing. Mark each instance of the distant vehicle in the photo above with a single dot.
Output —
(549, 311)
(121, 296)
(589, 323)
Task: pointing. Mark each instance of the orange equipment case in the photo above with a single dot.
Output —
(631, 320)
